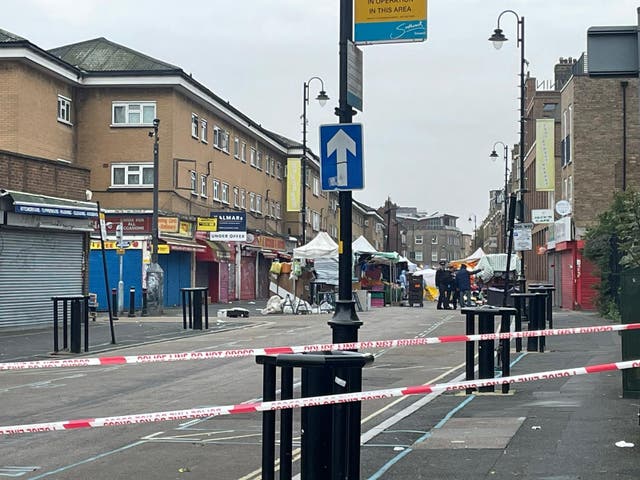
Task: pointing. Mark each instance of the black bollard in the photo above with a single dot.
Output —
(145, 311)
(132, 302)
(114, 303)
(76, 333)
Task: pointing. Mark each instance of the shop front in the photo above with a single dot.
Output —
(43, 253)
(215, 268)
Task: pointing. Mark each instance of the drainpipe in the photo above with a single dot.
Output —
(624, 85)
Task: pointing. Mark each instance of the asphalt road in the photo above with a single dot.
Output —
(225, 447)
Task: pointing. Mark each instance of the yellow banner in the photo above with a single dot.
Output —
(545, 155)
(389, 10)
(294, 190)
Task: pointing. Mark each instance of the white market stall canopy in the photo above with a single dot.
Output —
(322, 246)
(361, 245)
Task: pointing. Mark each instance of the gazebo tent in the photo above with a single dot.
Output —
(361, 245)
(322, 246)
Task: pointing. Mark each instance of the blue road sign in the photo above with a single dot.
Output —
(341, 159)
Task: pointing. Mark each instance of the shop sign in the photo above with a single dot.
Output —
(542, 216)
(522, 237)
(168, 224)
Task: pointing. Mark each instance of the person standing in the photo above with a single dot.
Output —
(453, 294)
(463, 283)
(442, 281)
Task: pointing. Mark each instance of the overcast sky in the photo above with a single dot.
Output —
(432, 110)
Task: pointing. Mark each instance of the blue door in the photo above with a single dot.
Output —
(131, 275)
(177, 275)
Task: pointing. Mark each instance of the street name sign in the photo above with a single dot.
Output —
(341, 159)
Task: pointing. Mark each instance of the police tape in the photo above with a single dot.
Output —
(308, 401)
(321, 347)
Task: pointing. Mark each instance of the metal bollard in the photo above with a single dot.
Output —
(75, 344)
(145, 305)
(132, 302)
(114, 303)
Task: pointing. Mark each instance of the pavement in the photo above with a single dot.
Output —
(567, 428)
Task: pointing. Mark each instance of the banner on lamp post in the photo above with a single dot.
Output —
(294, 185)
(545, 155)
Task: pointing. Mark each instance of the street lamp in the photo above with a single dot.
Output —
(494, 156)
(322, 100)
(498, 39)
(155, 275)
(475, 230)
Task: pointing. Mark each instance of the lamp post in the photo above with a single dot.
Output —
(155, 275)
(494, 156)
(498, 39)
(322, 100)
(475, 230)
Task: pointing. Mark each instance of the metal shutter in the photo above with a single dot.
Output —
(34, 266)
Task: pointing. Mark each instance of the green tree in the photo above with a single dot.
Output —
(613, 243)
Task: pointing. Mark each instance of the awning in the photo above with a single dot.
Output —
(182, 244)
(214, 251)
(31, 204)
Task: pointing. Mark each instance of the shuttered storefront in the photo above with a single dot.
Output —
(35, 266)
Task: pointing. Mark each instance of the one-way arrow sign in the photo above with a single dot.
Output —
(341, 160)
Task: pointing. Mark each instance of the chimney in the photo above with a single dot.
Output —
(562, 72)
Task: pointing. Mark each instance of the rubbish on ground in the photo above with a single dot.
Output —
(623, 444)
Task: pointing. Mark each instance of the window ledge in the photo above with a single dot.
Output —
(64, 122)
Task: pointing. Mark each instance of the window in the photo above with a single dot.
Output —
(243, 199)
(316, 186)
(549, 107)
(306, 177)
(236, 147)
(216, 190)
(224, 141)
(64, 109)
(253, 157)
(243, 153)
(194, 125)
(565, 185)
(133, 113)
(315, 222)
(132, 175)
(434, 240)
(205, 132)
(252, 202)
(194, 188)
(278, 170)
(418, 256)
(225, 193)
(259, 161)
(267, 165)
(419, 240)
(434, 256)
(570, 189)
(278, 210)
(236, 197)
(259, 203)
(567, 120)
(216, 137)
(203, 186)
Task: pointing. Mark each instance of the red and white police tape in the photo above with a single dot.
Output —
(308, 401)
(321, 347)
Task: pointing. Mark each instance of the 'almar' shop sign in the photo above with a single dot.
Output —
(229, 226)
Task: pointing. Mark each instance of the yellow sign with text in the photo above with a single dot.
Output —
(390, 10)
(294, 185)
(207, 224)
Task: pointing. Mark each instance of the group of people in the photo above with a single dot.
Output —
(454, 286)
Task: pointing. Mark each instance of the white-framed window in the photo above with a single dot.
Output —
(133, 114)
(434, 256)
(306, 177)
(216, 136)
(565, 188)
(64, 109)
(570, 189)
(225, 193)
(258, 203)
(194, 181)
(315, 221)
(243, 153)
(278, 170)
(194, 125)
(236, 147)
(316, 186)
(132, 175)
(418, 256)
(434, 240)
(216, 190)
(236, 197)
(204, 134)
(259, 160)
(243, 199)
(224, 141)
(203, 186)
(267, 165)
(419, 240)
(253, 157)
(252, 202)
(278, 210)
